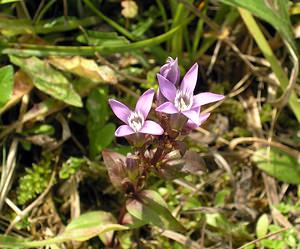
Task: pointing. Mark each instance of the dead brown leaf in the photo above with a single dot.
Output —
(86, 68)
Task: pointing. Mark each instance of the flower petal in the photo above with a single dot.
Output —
(123, 130)
(203, 118)
(205, 98)
(167, 107)
(191, 125)
(196, 109)
(192, 115)
(189, 81)
(120, 110)
(144, 103)
(150, 127)
(167, 88)
(160, 99)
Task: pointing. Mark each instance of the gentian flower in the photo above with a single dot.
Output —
(135, 121)
(182, 100)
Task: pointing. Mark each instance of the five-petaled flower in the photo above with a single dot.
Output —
(182, 100)
(135, 121)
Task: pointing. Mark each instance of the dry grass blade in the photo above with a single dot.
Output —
(283, 100)
(286, 149)
(264, 237)
(9, 167)
(183, 240)
(239, 87)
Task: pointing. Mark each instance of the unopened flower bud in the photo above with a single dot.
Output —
(132, 166)
(171, 70)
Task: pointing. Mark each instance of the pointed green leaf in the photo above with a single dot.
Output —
(11, 242)
(97, 223)
(90, 225)
(278, 164)
(6, 84)
(262, 226)
(8, 1)
(48, 80)
(7, 241)
(150, 207)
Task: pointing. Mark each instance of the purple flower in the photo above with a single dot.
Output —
(171, 70)
(135, 121)
(182, 100)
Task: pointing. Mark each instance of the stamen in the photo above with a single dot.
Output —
(183, 100)
(136, 121)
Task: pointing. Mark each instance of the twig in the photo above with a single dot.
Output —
(286, 149)
(9, 168)
(241, 55)
(264, 237)
(203, 235)
(214, 57)
(117, 70)
(127, 90)
(284, 98)
(185, 241)
(241, 86)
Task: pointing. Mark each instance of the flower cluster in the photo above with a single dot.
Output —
(158, 145)
(174, 99)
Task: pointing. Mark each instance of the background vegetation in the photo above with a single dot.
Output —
(61, 61)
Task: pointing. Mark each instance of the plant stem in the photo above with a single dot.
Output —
(46, 50)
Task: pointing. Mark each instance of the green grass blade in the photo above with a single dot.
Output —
(274, 12)
(108, 20)
(269, 55)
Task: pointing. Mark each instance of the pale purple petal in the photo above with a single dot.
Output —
(192, 115)
(150, 127)
(160, 99)
(123, 130)
(203, 118)
(144, 103)
(120, 110)
(189, 81)
(196, 108)
(171, 70)
(191, 125)
(206, 98)
(167, 107)
(167, 88)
